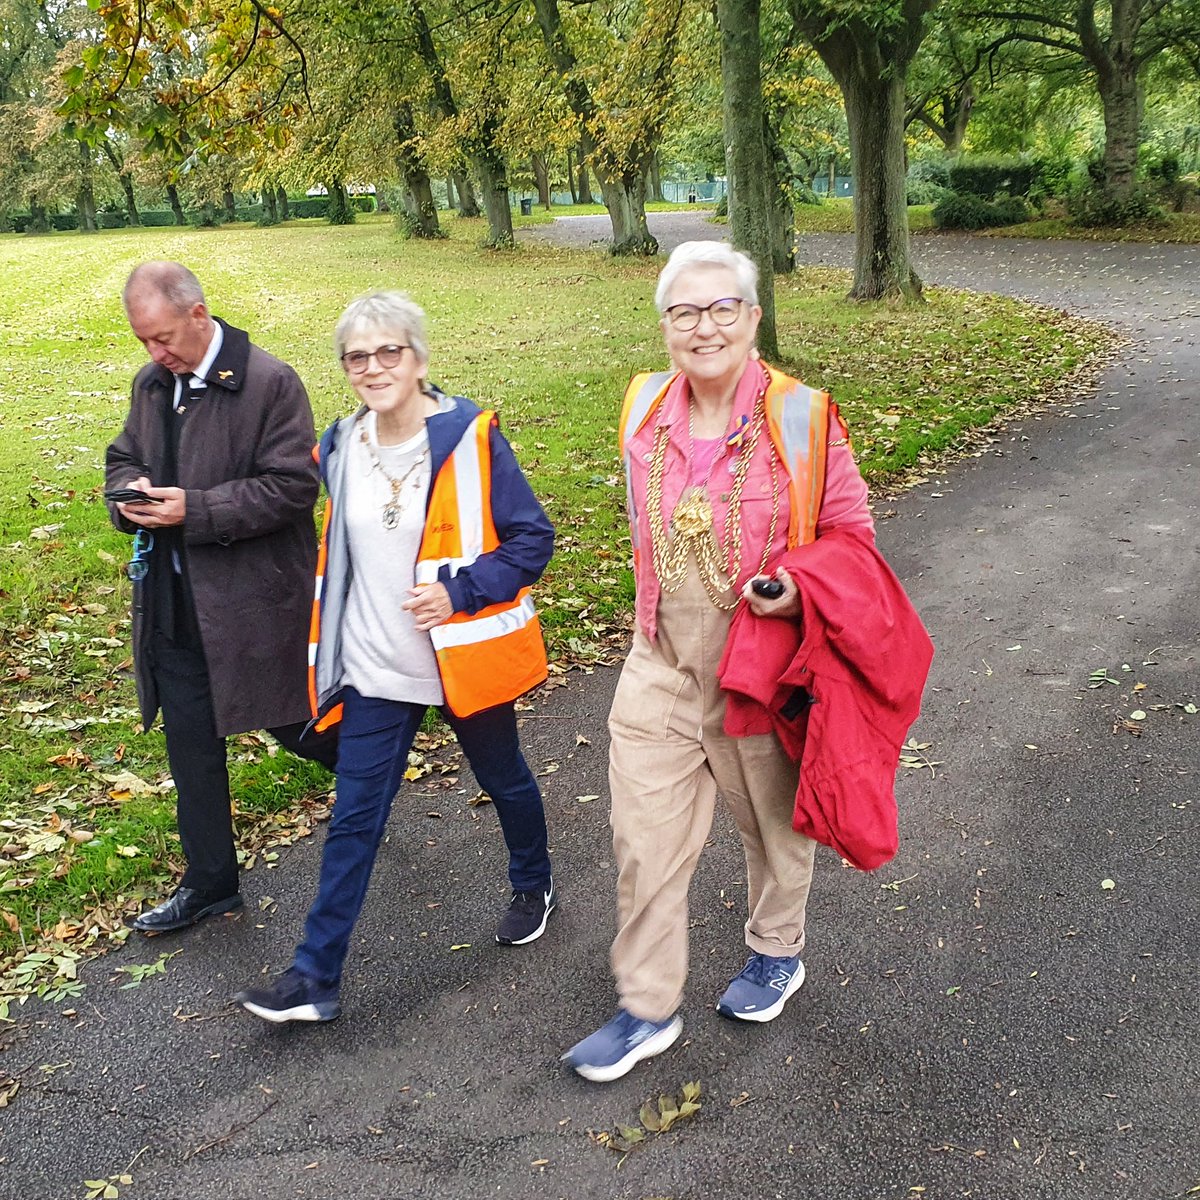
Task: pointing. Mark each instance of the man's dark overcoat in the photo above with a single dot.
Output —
(245, 460)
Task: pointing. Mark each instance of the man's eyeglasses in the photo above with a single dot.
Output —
(687, 316)
(138, 566)
(355, 362)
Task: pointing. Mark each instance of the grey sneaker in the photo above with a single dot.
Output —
(526, 918)
(763, 987)
(616, 1048)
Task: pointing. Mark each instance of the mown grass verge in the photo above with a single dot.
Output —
(837, 216)
(549, 337)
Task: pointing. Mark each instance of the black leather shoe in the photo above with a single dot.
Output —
(184, 908)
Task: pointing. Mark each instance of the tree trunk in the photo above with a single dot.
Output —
(571, 177)
(745, 155)
(131, 210)
(38, 220)
(620, 167)
(85, 197)
(468, 202)
(654, 179)
(778, 182)
(281, 201)
(625, 200)
(381, 200)
(962, 114)
(420, 210)
(269, 207)
(875, 114)
(541, 175)
(584, 188)
(229, 204)
(450, 203)
(1122, 100)
(339, 211)
(493, 182)
(831, 176)
(176, 206)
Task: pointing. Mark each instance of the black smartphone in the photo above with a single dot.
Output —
(131, 496)
(769, 589)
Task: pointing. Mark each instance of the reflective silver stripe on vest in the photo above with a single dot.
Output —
(791, 413)
(643, 402)
(468, 487)
(483, 629)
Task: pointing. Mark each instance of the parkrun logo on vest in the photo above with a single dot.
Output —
(442, 527)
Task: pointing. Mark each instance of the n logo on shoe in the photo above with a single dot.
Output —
(780, 982)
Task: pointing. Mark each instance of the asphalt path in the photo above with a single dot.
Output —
(984, 1017)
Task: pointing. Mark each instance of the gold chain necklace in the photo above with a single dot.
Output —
(691, 523)
(393, 508)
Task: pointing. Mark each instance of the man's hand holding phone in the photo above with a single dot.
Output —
(149, 506)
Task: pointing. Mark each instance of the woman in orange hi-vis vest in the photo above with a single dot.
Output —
(729, 463)
(432, 539)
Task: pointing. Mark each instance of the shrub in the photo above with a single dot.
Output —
(971, 212)
(962, 212)
(1053, 177)
(157, 217)
(309, 206)
(722, 207)
(803, 194)
(1164, 168)
(1011, 210)
(924, 191)
(930, 170)
(1093, 206)
(988, 177)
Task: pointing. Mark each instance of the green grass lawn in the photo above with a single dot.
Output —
(548, 337)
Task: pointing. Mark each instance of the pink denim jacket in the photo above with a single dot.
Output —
(843, 503)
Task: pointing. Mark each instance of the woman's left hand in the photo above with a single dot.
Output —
(787, 604)
(429, 605)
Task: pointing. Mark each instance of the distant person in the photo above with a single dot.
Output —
(692, 196)
(219, 439)
(433, 540)
(734, 473)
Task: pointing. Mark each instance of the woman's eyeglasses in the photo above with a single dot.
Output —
(355, 362)
(139, 565)
(687, 316)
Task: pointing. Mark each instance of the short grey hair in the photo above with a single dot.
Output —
(391, 313)
(171, 280)
(707, 254)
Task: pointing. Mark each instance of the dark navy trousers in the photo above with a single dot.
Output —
(376, 736)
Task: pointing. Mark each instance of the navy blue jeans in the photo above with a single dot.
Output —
(373, 754)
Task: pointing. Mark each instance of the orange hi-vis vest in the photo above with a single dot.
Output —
(485, 658)
(497, 654)
(798, 419)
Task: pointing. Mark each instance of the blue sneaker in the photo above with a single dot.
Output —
(614, 1050)
(292, 997)
(762, 989)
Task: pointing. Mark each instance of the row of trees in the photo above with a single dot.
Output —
(211, 94)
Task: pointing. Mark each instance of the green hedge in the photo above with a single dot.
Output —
(307, 206)
(988, 177)
(971, 212)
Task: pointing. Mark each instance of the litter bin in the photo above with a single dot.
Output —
(526, 207)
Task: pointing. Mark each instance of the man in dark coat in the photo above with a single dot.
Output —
(219, 438)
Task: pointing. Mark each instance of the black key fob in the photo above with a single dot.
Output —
(768, 589)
